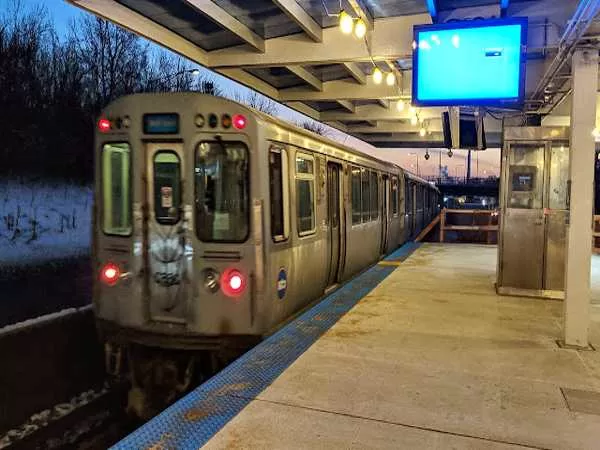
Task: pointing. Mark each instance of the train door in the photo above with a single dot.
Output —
(164, 247)
(334, 213)
(415, 207)
(385, 214)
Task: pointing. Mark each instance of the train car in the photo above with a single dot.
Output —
(216, 223)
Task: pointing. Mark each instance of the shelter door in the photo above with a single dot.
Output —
(165, 234)
(523, 255)
(334, 213)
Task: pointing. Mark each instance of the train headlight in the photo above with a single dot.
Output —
(211, 280)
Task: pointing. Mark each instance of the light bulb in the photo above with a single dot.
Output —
(390, 79)
(412, 110)
(400, 105)
(346, 22)
(377, 75)
(360, 29)
(422, 132)
(414, 120)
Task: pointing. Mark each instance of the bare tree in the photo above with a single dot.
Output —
(315, 127)
(258, 102)
(113, 60)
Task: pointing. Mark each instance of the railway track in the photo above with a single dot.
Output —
(91, 420)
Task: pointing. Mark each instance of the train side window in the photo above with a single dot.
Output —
(279, 191)
(116, 189)
(366, 195)
(356, 196)
(374, 196)
(394, 196)
(305, 194)
(167, 187)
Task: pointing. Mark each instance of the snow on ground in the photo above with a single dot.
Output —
(43, 220)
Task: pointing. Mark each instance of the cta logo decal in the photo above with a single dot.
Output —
(281, 283)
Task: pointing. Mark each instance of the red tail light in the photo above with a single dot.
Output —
(110, 274)
(233, 282)
(104, 125)
(239, 121)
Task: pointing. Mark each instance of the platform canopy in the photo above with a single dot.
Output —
(294, 52)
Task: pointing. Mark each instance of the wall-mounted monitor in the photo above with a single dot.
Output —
(477, 62)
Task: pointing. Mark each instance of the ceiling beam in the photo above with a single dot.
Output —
(394, 127)
(347, 105)
(391, 39)
(250, 81)
(304, 109)
(295, 12)
(140, 25)
(376, 112)
(306, 76)
(401, 137)
(355, 72)
(340, 90)
(222, 18)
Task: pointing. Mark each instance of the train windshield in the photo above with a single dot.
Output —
(222, 191)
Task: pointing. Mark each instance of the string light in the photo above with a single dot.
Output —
(346, 22)
(414, 121)
(422, 132)
(400, 105)
(360, 28)
(412, 110)
(390, 79)
(377, 75)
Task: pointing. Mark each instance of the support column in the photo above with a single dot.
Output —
(581, 175)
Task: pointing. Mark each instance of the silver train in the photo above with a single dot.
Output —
(216, 223)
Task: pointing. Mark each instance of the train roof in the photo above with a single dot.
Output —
(283, 124)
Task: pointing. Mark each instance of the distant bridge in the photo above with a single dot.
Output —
(455, 186)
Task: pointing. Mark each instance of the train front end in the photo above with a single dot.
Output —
(177, 243)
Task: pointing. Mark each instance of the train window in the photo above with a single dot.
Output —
(366, 195)
(395, 196)
(374, 196)
(356, 196)
(305, 194)
(167, 187)
(116, 196)
(278, 188)
(221, 179)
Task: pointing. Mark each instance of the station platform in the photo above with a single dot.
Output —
(417, 352)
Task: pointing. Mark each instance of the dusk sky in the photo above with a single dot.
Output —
(488, 162)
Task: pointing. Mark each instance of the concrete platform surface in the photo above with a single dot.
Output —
(432, 358)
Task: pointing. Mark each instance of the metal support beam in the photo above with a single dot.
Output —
(340, 90)
(305, 75)
(355, 72)
(218, 15)
(347, 105)
(384, 103)
(581, 178)
(390, 39)
(295, 12)
(375, 112)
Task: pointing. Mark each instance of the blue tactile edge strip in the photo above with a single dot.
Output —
(197, 417)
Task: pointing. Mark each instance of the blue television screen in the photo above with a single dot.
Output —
(469, 63)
